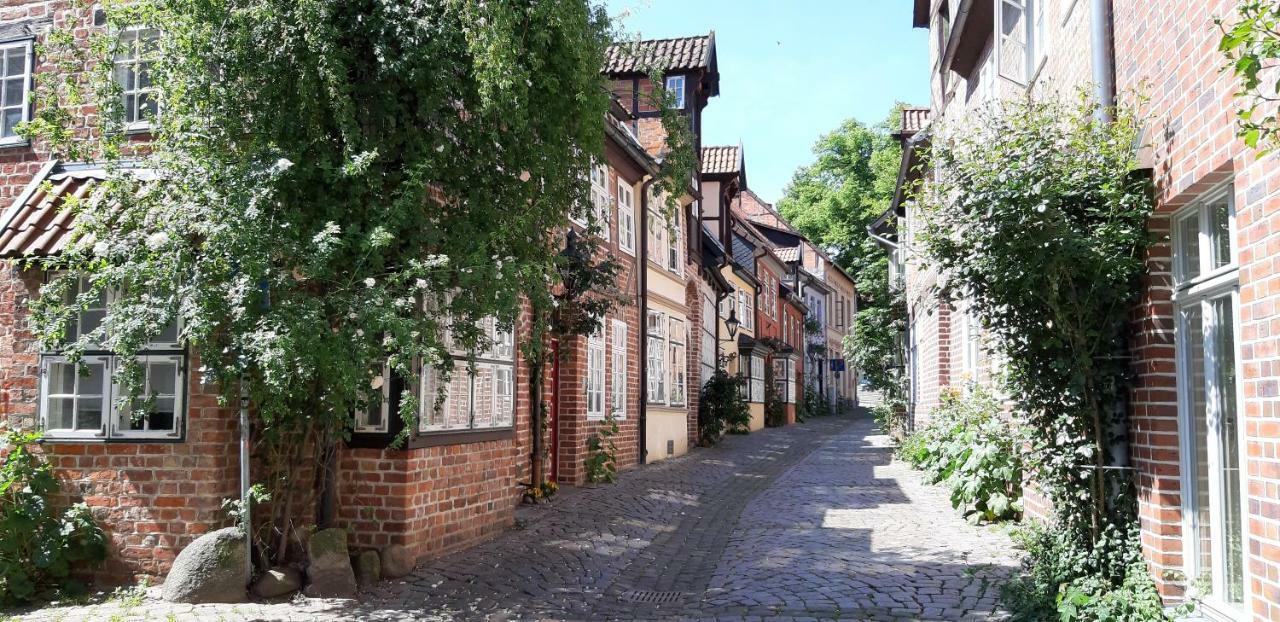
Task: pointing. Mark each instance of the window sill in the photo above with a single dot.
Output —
(99, 440)
(438, 439)
(14, 142)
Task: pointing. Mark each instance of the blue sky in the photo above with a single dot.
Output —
(792, 70)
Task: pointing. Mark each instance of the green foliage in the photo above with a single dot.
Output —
(345, 185)
(721, 408)
(602, 453)
(849, 185)
(775, 409)
(1251, 46)
(815, 404)
(875, 349)
(1038, 220)
(39, 548)
(968, 447)
(1062, 582)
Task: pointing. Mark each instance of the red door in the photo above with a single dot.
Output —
(553, 413)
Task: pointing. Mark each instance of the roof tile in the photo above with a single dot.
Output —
(720, 159)
(680, 54)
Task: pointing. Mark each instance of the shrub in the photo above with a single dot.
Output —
(602, 453)
(39, 548)
(1063, 582)
(722, 408)
(970, 449)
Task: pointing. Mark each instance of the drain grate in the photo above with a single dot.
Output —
(650, 596)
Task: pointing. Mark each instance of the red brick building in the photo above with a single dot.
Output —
(1203, 434)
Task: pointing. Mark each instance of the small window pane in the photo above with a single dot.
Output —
(163, 378)
(15, 59)
(89, 413)
(13, 91)
(12, 117)
(61, 413)
(62, 379)
(1220, 233)
(1189, 245)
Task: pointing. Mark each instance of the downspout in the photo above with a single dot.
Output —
(642, 336)
(1103, 59)
(245, 501)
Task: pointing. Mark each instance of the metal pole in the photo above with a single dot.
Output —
(244, 474)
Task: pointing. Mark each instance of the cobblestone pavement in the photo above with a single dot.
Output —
(814, 521)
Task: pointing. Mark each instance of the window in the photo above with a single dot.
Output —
(677, 239)
(1023, 38)
(480, 393)
(1203, 237)
(1206, 295)
(677, 338)
(755, 379)
(656, 351)
(708, 352)
(746, 309)
(595, 374)
(16, 74)
(81, 400)
(618, 381)
(375, 417)
(784, 379)
(601, 200)
(626, 218)
(657, 238)
(675, 86)
(136, 53)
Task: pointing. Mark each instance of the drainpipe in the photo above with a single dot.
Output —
(1103, 61)
(245, 501)
(642, 336)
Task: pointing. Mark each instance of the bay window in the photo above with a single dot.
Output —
(1206, 297)
(784, 379)
(754, 385)
(478, 394)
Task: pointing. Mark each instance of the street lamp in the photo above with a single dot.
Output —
(732, 323)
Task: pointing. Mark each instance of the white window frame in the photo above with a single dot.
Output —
(657, 238)
(134, 60)
(626, 219)
(601, 199)
(1201, 291)
(361, 424)
(1020, 49)
(595, 375)
(675, 85)
(110, 427)
(24, 104)
(498, 358)
(675, 250)
(100, 432)
(618, 371)
(755, 379)
(678, 363)
(656, 353)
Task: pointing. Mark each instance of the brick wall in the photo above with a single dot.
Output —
(152, 499)
(1167, 51)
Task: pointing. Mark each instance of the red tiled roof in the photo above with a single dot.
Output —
(37, 223)
(913, 120)
(790, 253)
(721, 159)
(680, 54)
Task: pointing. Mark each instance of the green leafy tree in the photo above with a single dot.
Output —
(1038, 220)
(1251, 45)
(832, 201)
(342, 186)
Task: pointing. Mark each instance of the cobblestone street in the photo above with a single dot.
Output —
(814, 521)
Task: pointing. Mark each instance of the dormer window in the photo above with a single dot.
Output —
(16, 84)
(675, 86)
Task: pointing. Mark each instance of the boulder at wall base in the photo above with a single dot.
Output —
(329, 573)
(278, 582)
(368, 568)
(212, 569)
(397, 561)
